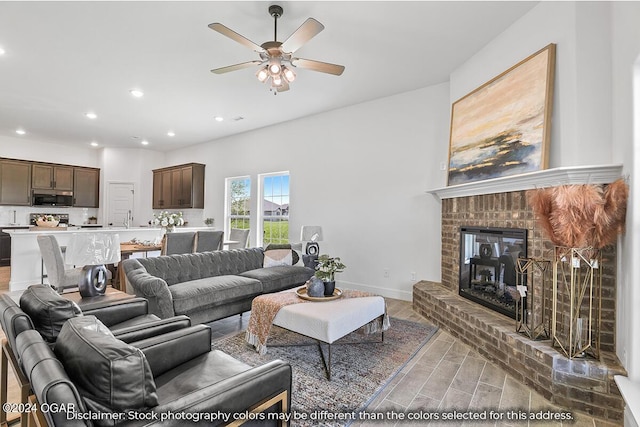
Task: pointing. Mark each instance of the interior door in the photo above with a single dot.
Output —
(120, 203)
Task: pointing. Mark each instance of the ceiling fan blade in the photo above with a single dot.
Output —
(226, 31)
(323, 67)
(308, 30)
(235, 67)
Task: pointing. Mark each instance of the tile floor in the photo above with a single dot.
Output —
(444, 376)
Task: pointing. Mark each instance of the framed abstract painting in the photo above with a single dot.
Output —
(502, 128)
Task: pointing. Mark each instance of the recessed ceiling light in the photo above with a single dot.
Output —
(218, 118)
(91, 115)
(171, 133)
(144, 142)
(2, 51)
(20, 131)
(136, 93)
(94, 144)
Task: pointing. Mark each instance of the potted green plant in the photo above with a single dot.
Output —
(209, 222)
(326, 271)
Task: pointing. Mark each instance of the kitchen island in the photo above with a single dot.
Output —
(26, 262)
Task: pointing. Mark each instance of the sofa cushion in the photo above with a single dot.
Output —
(183, 268)
(275, 279)
(277, 257)
(48, 310)
(212, 291)
(108, 373)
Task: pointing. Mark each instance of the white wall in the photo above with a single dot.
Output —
(581, 120)
(28, 148)
(130, 165)
(626, 110)
(361, 173)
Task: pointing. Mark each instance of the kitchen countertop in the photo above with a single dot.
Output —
(25, 253)
(77, 229)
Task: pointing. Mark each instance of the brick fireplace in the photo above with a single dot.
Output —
(585, 385)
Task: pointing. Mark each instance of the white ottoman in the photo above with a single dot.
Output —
(331, 320)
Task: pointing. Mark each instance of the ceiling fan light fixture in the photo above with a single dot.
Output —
(262, 74)
(275, 67)
(277, 80)
(288, 73)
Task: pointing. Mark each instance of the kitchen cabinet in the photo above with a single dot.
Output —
(162, 189)
(51, 177)
(180, 186)
(86, 187)
(15, 183)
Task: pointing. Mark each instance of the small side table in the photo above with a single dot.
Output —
(111, 295)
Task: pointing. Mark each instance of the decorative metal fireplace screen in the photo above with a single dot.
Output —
(488, 259)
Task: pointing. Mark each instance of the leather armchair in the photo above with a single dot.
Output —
(46, 312)
(128, 319)
(14, 321)
(92, 372)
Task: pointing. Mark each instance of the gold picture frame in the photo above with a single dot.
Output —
(503, 127)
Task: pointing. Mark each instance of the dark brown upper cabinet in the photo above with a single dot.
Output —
(179, 187)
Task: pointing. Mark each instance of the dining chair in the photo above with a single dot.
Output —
(207, 241)
(178, 243)
(239, 235)
(59, 276)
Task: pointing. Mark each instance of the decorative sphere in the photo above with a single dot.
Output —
(315, 287)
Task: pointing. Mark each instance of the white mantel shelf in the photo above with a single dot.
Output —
(602, 174)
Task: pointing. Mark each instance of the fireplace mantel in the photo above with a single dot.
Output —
(601, 174)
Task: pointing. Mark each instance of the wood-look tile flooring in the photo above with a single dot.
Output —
(445, 376)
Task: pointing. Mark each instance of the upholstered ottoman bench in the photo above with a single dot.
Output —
(329, 321)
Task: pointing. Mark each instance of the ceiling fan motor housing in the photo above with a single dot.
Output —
(276, 11)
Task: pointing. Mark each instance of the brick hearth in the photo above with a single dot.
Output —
(580, 384)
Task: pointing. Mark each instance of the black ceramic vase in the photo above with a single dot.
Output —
(329, 287)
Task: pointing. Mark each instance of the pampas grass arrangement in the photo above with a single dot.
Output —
(581, 215)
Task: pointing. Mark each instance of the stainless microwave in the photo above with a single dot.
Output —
(52, 198)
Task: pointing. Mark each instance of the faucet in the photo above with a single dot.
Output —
(127, 221)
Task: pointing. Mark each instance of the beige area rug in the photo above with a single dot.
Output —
(359, 370)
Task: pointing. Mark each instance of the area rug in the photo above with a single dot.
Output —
(359, 370)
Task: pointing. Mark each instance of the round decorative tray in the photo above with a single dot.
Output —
(302, 293)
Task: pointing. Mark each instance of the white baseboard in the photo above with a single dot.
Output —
(630, 391)
(385, 292)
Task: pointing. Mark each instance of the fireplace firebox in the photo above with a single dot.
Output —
(488, 260)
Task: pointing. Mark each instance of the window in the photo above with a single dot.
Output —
(274, 208)
(238, 211)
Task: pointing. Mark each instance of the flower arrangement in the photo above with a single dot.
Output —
(327, 268)
(48, 218)
(168, 220)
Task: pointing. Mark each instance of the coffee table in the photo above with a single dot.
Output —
(328, 321)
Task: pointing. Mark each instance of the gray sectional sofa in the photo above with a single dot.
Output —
(208, 286)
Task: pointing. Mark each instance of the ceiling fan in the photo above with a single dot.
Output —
(276, 61)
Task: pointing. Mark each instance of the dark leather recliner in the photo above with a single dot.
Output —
(177, 373)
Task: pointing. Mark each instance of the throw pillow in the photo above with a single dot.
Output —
(48, 310)
(297, 258)
(109, 374)
(271, 246)
(277, 257)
